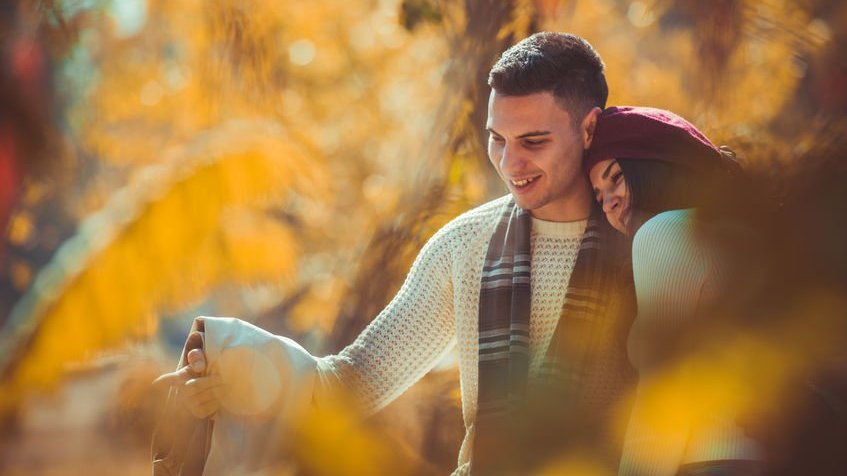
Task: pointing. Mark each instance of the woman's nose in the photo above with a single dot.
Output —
(610, 202)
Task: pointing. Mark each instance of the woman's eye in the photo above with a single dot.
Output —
(616, 177)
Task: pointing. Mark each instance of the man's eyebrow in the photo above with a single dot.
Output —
(534, 134)
(605, 174)
(524, 135)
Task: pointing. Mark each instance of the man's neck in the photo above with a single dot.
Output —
(574, 207)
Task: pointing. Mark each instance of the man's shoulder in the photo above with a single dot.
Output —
(476, 223)
(482, 217)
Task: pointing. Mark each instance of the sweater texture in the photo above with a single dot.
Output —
(436, 311)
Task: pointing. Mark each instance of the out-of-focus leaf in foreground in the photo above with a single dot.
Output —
(173, 233)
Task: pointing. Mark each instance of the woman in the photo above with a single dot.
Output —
(652, 172)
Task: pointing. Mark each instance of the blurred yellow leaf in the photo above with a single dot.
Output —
(168, 238)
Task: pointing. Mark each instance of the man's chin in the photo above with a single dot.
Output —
(521, 202)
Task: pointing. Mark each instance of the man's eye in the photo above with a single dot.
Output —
(533, 143)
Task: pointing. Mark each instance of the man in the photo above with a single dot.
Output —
(526, 286)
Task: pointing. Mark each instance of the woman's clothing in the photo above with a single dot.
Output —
(680, 277)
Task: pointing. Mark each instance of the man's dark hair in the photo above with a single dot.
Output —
(560, 63)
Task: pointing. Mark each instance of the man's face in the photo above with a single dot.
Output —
(537, 151)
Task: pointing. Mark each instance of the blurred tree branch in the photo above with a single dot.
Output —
(491, 26)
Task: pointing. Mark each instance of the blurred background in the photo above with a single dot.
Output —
(283, 162)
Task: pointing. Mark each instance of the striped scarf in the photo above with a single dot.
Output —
(505, 417)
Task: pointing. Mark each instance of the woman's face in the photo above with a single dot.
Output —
(611, 192)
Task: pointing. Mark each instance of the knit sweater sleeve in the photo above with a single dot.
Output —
(670, 268)
(405, 340)
(677, 277)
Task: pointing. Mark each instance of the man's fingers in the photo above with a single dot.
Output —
(204, 408)
(174, 378)
(201, 385)
(197, 360)
(196, 365)
(201, 395)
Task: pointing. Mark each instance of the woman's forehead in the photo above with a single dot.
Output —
(602, 169)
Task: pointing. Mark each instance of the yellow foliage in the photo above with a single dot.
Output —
(319, 308)
(356, 448)
(660, 65)
(174, 233)
(152, 104)
(574, 464)
(256, 247)
(734, 376)
(359, 116)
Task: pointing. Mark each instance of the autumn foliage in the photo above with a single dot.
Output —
(284, 162)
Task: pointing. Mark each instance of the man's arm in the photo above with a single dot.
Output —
(406, 339)
(401, 345)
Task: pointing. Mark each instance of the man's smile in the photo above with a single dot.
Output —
(523, 182)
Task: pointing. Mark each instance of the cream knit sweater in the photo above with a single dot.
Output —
(437, 309)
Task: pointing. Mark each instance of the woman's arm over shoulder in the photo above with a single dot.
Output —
(669, 265)
(676, 267)
(667, 232)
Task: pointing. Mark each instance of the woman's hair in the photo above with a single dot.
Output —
(656, 186)
(667, 162)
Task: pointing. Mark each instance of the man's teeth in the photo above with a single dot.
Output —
(521, 183)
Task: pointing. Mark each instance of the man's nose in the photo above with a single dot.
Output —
(511, 160)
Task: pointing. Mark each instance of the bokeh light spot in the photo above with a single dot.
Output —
(301, 52)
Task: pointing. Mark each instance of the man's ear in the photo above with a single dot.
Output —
(589, 124)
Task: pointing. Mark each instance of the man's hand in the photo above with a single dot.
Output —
(200, 394)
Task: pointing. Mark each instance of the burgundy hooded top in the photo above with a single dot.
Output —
(628, 132)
